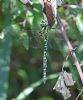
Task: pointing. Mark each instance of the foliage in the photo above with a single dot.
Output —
(21, 51)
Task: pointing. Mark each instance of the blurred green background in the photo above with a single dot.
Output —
(21, 51)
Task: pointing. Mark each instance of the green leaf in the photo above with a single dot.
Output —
(34, 16)
(5, 51)
(79, 23)
(23, 40)
(46, 98)
(21, 36)
(26, 92)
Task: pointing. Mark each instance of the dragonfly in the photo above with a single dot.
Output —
(50, 11)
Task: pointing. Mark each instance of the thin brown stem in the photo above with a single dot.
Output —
(71, 49)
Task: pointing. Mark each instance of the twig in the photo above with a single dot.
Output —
(79, 94)
(71, 49)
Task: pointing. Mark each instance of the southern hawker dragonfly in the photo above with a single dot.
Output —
(50, 11)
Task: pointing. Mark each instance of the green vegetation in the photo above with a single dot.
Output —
(21, 51)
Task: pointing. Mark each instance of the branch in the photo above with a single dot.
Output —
(71, 49)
